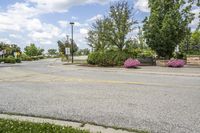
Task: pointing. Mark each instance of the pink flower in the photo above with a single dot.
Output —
(176, 63)
(131, 63)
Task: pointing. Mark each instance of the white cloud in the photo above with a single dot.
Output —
(74, 18)
(22, 24)
(15, 36)
(83, 31)
(65, 24)
(142, 5)
(47, 32)
(23, 9)
(5, 40)
(94, 18)
(195, 22)
(61, 5)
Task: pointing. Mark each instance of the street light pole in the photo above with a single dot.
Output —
(72, 24)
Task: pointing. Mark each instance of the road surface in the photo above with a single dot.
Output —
(156, 99)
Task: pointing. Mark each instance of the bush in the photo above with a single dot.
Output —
(146, 53)
(179, 55)
(25, 57)
(176, 63)
(1, 60)
(117, 58)
(131, 63)
(18, 60)
(10, 59)
(108, 58)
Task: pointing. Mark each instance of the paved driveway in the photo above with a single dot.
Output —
(155, 99)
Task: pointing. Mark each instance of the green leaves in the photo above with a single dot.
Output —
(67, 44)
(111, 32)
(32, 50)
(167, 25)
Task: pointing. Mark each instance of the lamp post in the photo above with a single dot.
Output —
(72, 24)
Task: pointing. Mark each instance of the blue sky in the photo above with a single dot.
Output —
(44, 22)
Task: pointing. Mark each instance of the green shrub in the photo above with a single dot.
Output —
(41, 57)
(146, 53)
(179, 55)
(25, 57)
(37, 58)
(1, 60)
(109, 58)
(10, 59)
(18, 60)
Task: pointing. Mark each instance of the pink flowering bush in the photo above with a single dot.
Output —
(176, 63)
(131, 63)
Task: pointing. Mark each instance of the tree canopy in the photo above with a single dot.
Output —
(32, 50)
(112, 31)
(65, 43)
(52, 51)
(167, 25)
(10, 48)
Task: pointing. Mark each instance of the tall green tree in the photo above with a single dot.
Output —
(121, 15)
(167, 25)
(141, 39)
(112, 31)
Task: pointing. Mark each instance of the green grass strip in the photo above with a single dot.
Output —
(14, 126)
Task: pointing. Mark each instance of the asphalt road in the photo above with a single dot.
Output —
(163, 100)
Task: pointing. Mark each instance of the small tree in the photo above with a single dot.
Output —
(85, 51)
(112, 31)
(97, 36)
(195, 38)
(32, 50)
(121, 24)
(65, 43)
(52, 52)
(10, 48)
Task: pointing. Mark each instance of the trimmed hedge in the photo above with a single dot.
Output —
(109, 58)
(25, 57)
(117, 58)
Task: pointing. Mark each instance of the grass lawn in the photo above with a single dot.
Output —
(13, 126)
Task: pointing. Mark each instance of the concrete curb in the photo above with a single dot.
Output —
(76, 125)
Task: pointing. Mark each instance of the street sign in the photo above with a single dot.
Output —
(67, 51)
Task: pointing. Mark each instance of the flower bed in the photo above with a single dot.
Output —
(131, 63)
(176, 63)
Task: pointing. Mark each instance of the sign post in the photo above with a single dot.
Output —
(67, 53)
